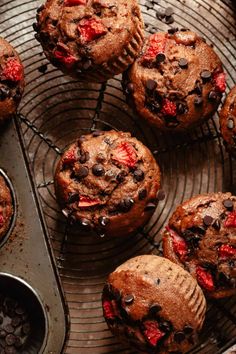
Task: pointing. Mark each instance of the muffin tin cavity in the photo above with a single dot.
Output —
(9, 184)
(23, 320)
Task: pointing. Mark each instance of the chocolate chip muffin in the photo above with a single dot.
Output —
(154, 305)
(6, 208)
(177, 81)
(200, 236)
(90, 39)
(108, 181)
(228, 122)
(11, 80)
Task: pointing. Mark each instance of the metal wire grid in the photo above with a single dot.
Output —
(56, 109)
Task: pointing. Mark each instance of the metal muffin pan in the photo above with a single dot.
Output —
(27, 272)
(56, 109)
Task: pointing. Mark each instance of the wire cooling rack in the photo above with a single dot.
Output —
(56, 109)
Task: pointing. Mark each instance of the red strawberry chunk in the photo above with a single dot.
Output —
(86, 202)
(169, 108)
(74, 2)
(108, 310)
(65, 58)
(220, 83)
(125, 154)
(13, 70)
(1, 220)
(205, 279)
(231, 220)
(91, 29)
(227, 251)
(179, 245)
(156, 45)
(152, 332)
(69, 157)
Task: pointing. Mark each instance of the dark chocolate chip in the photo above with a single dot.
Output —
(165, 326)
(142, 194)
(130, 88)
(154, 309)
(129, 299)
(158, 281)
(98, 170)
(179, 337)
(160, 58)
(161, 195)
(153, 106)
(85, 223)
(188, 330)
(169, 11)
(198, 87)
(216, 224)
(207, 220)
(4, 93)
(212, 96)
(138, 175)
(206, 75)
(230, 123)
(10, 339)
(198, 101)
(169, 20)
(183, 63)
(150, 207)
(172, 30)
(228, 204)
(43, 68)
(82, 172)
(126, 204)
(84, 157)
(182, 108)
(151, 85)
(35, 26)
(121, 176)
(73, 197)
(103, 221)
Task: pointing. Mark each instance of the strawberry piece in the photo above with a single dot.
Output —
(227, 251)
(152, 332)
(231, 220)
(156, 45)
(74, 2)
(65, 58)
(108, 310)
(205, 279)
(69, 157)
(1, 220)
(125, 154)
(13, 70)
(91, 29)
(169, 108)
(220, 82)
(86, 202)
(179, 245)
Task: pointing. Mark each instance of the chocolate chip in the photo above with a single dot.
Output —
(228, 204)
(40, 8)
(207, 220)
(4, 93)
(161, 195)
(198, 87)
(73, 197)
(87, 64)
(182, 108)
(206, 75)
(10, 339)
(165, 326)
(169, 20)
(160, 58)
(150, 207)
(153, 106)
(98, 170)
(172, 30)
(84, 157)
(121, 176)
(158, 281)
(85, 223)
(216, 224)
(82, 172)
(198, 101)
(155, 308)
(160, 13)
(100, 157)
(43, 68)
(188, 330)
(230, 123)
(151, 85)
(129, 299)
(183, 63)
(103, 221)
(212, 96)
(179, 337)
(169, 11)
(138, 175)
(126, 204)
(142, 194)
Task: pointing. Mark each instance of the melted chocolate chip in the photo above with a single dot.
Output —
(85, 223)
(161, 195)
(138, 175)
(154, 309)
(179, 337)
(82, 172)
(183, 63)
(206, 75)
(84, 157)
(150, 207)
(103, 221)
(228, 204)
(216, 224)
(160, 58)
(121, 176)
(73, 197)
(151, 85)
(98, 170)
(126, 204)
(129, 299)
(4, 93)
(142, 194)
(230, 123)
(207, 220)
(188, 330)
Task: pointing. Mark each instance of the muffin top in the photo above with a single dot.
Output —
(228, 121)
(6, 209)
(74, 33)
(201, 236)
(177, 81)
(11, 79)
(108, 180)
(157, 301)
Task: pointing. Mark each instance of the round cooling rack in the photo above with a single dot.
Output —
(56, 109)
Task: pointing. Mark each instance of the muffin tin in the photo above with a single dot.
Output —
(54, 111)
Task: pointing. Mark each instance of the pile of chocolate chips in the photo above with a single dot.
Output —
(14, 326)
